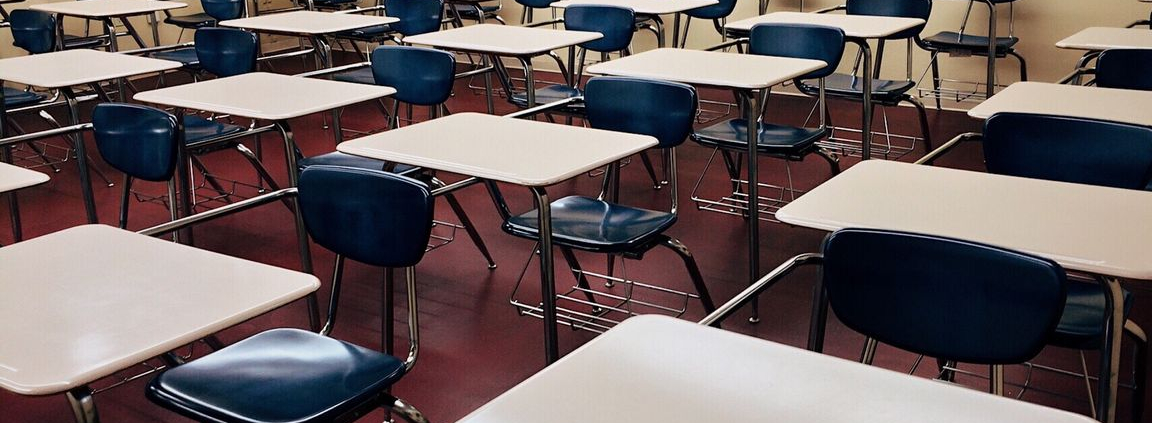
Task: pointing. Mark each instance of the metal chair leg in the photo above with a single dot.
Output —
(470, 229)
(923, 114)
(407, 411)
(693, 271)
(581, 279)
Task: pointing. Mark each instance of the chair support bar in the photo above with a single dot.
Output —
(753, 291)
(233, 208)
(337, 69)
(64, 130)
(931, 157)
(544, 107)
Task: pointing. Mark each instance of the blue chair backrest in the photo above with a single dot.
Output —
(223, 10)
(140, 141)
(539, 4)
(616, 23)
(371, 216)
(664, 110)
(801, 41)
(33, 30)
(226, 51)
(895, 8)
(715, 11)
(421, 76)
(1125, 69)
(1083, 151)
(943, 297)
(416, 16)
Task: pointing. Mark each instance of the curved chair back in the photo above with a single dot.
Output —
(664, 110)
(800, 41)
(921, 9)
(1129, 69)
(715, 11)
(33, 30)
(140, 141)
(421, 76)
(1076, 150)
(226, 52)
(416, 16)
(223, 10)
(371, 216)
(539, 4)
(942, 297)
(616, 23)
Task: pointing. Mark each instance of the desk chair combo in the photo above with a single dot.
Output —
(214, 12)
(718, 13)
(421, 77)
(885, 92)
(729, 138)
(666, 111)
(479, 11)
(959, 43)
(416, 17)
(290, 375)
(530, 5)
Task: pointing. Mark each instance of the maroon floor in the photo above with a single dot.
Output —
(474, 344)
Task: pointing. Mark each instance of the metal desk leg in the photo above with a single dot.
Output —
(751, 102)
(1110, 352)
(866, 124)
(990, 88)
(529, 83)
(187, 197)
(83, 407)
(81, 156)
(324, 50)
(547, 276)
(819, 320)
(301, 233)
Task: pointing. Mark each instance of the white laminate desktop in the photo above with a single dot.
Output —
(308, 22)
(77, 67)
(262, 95)
(643, 7)
(1118, 105)
(106, 8)
(1102, 38)
(502, 39)
(88, 301)
(856, 26)
(742, 71)
(15, 177)
(657, 369)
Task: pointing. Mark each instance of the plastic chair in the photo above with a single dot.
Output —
(779, 141)
(35, 31)
(1125, 69)
(889, 285)
(416, 17)
(290, 375)
(421, 77)
(718, 13)
(1082, 151)
(959, 43)
(530, 5)
(476, 11)
(614, 22)
(885, 92)
(214, 12)
(663, 110)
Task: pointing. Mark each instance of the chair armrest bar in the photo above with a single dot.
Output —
(727, 44)
(64, 130)
(550, 22)
(159, 48)
(832, 9)
(360, 10)
(293, 53)
(544, 107)
(753, 291)
(225, 210)
(931, 157)
(455, 186)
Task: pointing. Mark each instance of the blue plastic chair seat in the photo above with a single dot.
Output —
(333, 3)
(469, 12)
(16, 98)
(848, 86)
(775, 140)
(1082, 323)
(952, 40)
(367, 33)
(187, 56)
(357, 76)
(337, 158)
(549, 94)
(198, 128)
(594, 225)
(282, 375)
(193, 21)
(77, 41)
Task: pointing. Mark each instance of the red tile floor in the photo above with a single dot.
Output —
(474, 344)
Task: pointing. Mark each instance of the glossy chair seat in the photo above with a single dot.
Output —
(950, 40)
(472, 12)
(885, 91)
(334, 3)
(595, 225)
(356, 76)
(187, 56)
(198, 128)
(337, 158)
(290, 375)
(366, 33)
(774, 140)
(1082, 323)
(79, 41)
(193, 21)
(550, 94)
(16, 98)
